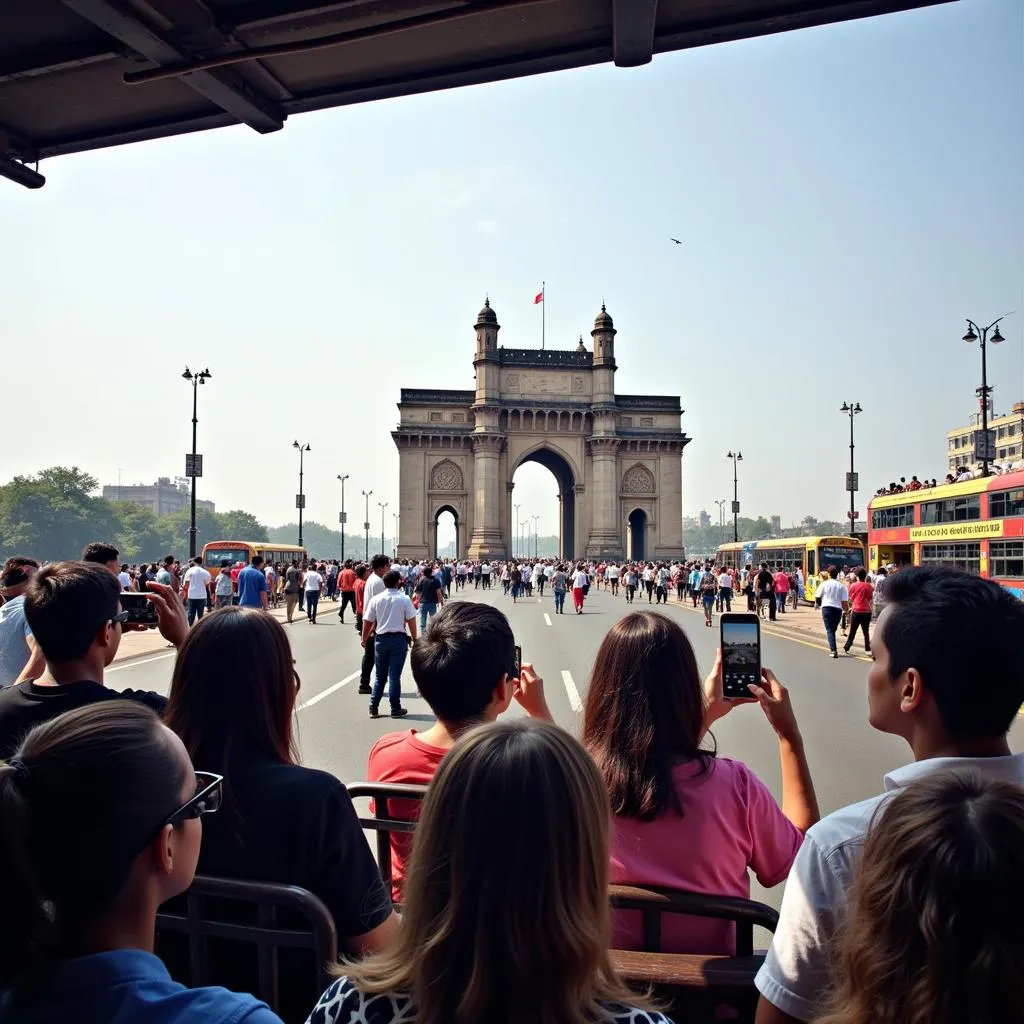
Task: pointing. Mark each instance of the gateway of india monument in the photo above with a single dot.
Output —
(617, 458)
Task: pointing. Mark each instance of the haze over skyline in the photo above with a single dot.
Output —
(845, 196)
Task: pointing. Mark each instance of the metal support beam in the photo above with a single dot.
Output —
(223, 87)
(20, 174)
(633, 32)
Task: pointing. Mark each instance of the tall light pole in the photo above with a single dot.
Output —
(851, 409)
(341, 517)
(300, 498)
(721, 503)
(516, 542)
(193, 466)
(736, 457)
(382, 505)
(536, 544)
(366, 525)
(394, 550)
(976, 333)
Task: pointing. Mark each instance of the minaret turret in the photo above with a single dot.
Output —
(604, 358)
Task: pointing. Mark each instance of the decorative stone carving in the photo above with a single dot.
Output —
(446, 476)
(638, 480)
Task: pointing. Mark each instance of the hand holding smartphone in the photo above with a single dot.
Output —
(141, 610)
(741, 654)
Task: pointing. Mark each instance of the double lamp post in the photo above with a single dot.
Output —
(193, 462)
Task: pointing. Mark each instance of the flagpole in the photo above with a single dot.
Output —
(543, 312)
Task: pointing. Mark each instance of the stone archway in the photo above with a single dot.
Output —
(559, 467)
(440, 511)
(637, 535)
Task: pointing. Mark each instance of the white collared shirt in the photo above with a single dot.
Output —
(796, 974)
(374, 586)
(390, 610)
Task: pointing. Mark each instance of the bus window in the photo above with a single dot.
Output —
(811, 570)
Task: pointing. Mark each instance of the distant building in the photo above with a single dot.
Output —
(776, 524)
(704, 519)
(1007, 427)
(162, 498)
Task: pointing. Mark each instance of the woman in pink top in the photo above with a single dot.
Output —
(685, 818)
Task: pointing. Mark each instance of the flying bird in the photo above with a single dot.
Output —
(676, 240)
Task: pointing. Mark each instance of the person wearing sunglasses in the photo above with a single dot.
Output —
(99, 825)
(74, 612)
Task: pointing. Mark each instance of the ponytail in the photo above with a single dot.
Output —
(92, 785)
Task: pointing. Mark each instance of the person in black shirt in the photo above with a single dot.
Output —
(430, 595)
(766, 590)
(232, 703)
(74, 612)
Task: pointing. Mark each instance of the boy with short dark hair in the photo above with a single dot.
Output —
(464, 667)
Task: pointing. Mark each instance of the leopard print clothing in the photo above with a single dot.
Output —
(343, 1003)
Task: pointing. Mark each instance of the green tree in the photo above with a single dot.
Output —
(239, 525)
(174, 531)
(321, 541)
(139, 535)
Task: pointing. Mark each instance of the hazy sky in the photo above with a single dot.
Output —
(846, 195)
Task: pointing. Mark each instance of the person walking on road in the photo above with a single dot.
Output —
(373, 586)
(386, 618)
(223, 588)
(580, 583)
(559, 583)
(834, 600)
(430, 596)
(861, 599)
(313, 584)
(252, 585)
(292, 589)
(708, 594)
(196, 587)
(347, 587)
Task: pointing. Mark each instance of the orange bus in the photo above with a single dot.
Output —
(976, 525)
(235, 551)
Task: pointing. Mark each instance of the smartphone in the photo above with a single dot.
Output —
(517, 662)
(741, 654)
(141, 611)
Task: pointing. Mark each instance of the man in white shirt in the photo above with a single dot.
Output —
(485, 575)
(611, 574)
(312, 584)
(386, 618)
(124, 577)
(195, 586)
(379, 565)
(724, 590)
(948, 677)
(834, 600)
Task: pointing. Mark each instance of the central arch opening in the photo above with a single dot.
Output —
(532, 494)
(446, 533)
(637, 529)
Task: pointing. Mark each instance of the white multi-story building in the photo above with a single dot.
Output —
(163, 497)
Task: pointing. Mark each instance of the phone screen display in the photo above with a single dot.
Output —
(141, 611)
(741, 657)
(517, 663)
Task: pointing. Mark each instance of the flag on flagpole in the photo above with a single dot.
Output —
(539, 297)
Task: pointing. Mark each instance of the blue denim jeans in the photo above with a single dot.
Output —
(559, 600)
(831, 618)
(389, 653)
(426, 610)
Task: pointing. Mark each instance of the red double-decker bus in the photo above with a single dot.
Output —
(975, 525)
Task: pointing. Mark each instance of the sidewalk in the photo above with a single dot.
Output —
(139, 645)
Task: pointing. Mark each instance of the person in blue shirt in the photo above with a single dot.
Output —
(99, 825)
(252, 585)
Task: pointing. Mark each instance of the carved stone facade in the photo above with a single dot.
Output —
(616, 458)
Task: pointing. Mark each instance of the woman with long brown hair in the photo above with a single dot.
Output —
(506, 912)
(933, 932)
(685, 818)
(232, 702)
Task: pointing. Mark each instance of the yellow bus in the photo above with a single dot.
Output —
(235, 551)
(812, 554)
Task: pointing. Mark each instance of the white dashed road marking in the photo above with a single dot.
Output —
(547, 618)
(570, 688)
(326, 693)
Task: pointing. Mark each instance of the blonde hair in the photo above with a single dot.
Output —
(506, 916)
(934, 934)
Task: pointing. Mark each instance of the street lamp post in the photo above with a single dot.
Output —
(300, 498)
(721, 503)
(517, 543)
(736, 457)
(976, 333)
(192, 468)
(366, 525)
(382, 505)
(536, 544)
(851, 409)
(341, 518)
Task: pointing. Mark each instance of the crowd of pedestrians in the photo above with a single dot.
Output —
(898, 910)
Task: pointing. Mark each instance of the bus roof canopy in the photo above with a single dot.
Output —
(82, 74)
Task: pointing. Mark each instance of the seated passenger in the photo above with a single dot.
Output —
(232, 703)
(99, 824)
(683, 817)
(948, 677)
(464, 667)
(506, 917)
(935, 911)
(74, 612)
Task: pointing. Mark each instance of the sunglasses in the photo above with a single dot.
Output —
(207, 799)
(121, 617)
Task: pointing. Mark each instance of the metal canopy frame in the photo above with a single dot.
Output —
(78, 75)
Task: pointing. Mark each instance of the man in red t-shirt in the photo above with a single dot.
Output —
(347, 586)
(861, 595)
(464, 667)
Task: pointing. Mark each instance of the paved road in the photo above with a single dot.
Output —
(847, 757)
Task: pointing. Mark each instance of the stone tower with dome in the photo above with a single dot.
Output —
(617, 459)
